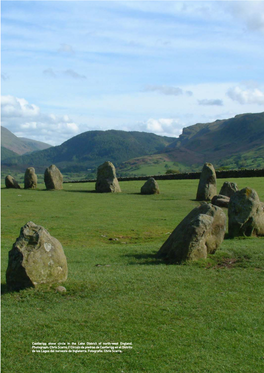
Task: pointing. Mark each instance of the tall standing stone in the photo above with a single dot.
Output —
(53, 178)
(207, 184)
(30, 178)
(10, 182)
(150, 187)
(245, 214)
(36, 258)
(106, 179)
(200, 233)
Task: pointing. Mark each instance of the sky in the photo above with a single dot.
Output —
(69, 67)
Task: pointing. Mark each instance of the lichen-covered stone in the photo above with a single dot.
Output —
(10, 182)
(53, 178)
(30, 178)
(200, 233)
(36, 258)
(106, 181)
(207, 184)
(245, 214)
(150, 187)
(228, 189)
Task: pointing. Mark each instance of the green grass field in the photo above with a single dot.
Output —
(201, 317)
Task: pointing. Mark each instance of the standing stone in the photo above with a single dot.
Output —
(150, 187)
(200, 233)
(220, 200)
(53, 178)
(245, 213)
(36, 258)
(207, 184)
(30, 178)
(10, 182)
(228, 189)
(106, 179)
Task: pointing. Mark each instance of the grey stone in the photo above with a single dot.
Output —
(53, 178)
(228, 189)
(220, 200)
(30, 178)
(200, 233)
(150, 187)
(61, 289)
(207, 184)
(10, 182)
(245, 213)
(106, 179)
(36, 258)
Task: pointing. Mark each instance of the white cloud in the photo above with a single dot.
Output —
(163, 126)
(50, 72)
(66, 48)
(249, 12)
(73, 74)
(246, 95)
(24, 119)
(4, 76)
(17, 107)
(207, 102)
(167, 90)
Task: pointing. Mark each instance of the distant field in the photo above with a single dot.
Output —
(190, 318)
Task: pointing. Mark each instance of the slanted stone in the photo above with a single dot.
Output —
(228, 189)
(245, 213)
(220, 200)
(53, 178)
(106, 179)
(36, 258)
(30, 178)
(10, 182)
(207, 184)
(200, 233)
(150, 187)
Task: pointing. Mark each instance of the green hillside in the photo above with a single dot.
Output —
(232, 143)
(20, 145)
(88, 150)
(7, 153)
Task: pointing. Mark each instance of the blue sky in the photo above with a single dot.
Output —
(155, 66)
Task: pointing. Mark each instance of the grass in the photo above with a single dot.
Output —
(198, 317)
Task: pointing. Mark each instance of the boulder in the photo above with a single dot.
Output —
(36, 258)
(200, 233)
(220, 200)
(150, 187)
(245, 214)
(10, 182)
(30, 178)
(228, 189)
(106, 179)
(53, 178)
(207, 184)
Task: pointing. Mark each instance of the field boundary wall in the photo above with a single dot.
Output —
(187, 175)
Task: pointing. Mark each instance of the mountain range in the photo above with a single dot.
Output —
(232, 143)
(11, 145)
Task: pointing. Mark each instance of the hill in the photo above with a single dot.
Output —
(19, 145)
(7, 153)
(90, 149)
(231, 143)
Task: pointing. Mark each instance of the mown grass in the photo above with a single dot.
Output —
(201, 317)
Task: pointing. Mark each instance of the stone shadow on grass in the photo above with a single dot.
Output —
(5, 289)
(145, 259)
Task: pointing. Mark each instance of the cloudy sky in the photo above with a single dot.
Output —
(154, 66)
